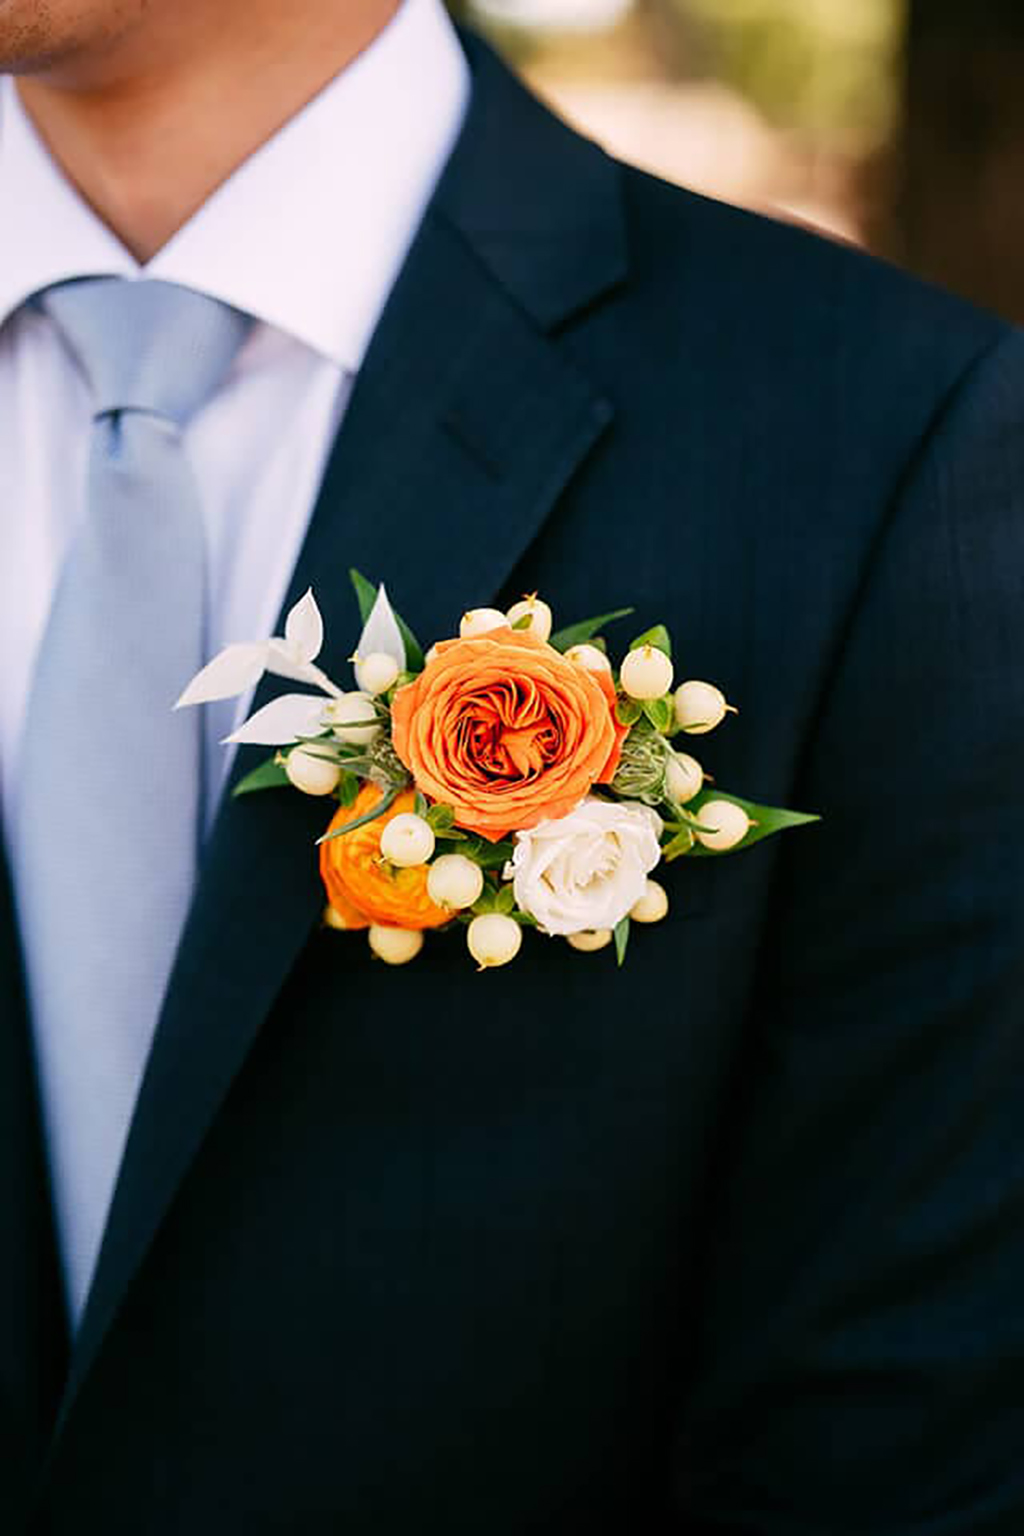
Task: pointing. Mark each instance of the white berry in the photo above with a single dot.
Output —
(684, 777)
(646, 673)
(407, 840)
(538, 613)
(455, 882)
(652, 906)
(722, 825)
(341, 715)
(699, 707)
(312, 774)
(591, 939)
(493, 939)
(377, 672)
(588, 657)
(479, 620)
(395, 946)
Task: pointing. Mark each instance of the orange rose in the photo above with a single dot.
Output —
(359, 886)
(506, 731)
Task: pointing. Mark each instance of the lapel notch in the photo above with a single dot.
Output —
(538, 204)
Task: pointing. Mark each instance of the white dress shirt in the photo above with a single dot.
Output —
(308, 236)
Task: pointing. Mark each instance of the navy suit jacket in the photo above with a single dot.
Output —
(730, 1240)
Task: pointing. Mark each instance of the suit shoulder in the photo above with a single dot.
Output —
(794, 287)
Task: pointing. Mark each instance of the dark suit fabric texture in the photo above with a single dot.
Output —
(730, 1240)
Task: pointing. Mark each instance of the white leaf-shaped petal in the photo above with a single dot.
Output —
(304, 629)
(381, 631)
(237, 669)
(281, 721)
(282, 661)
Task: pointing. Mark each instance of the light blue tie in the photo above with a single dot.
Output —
(108, 776)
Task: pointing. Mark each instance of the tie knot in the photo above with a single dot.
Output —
(146, 345)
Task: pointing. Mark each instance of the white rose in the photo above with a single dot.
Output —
(587, 869)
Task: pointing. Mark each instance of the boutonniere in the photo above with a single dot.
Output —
(511, 778)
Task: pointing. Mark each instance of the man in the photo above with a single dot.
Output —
(728, 1240)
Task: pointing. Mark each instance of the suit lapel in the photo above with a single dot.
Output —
(466, 422)
(33, 1333)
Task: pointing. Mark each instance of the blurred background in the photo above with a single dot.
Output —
(898, 124)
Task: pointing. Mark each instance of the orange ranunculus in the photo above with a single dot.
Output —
(506, 731)
(359, 885)
(343, 915)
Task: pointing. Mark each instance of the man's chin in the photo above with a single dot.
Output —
(47, 38)
(29, 50)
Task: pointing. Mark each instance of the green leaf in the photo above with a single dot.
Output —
(366, 593)
(658, 637)
(677, 846)
(628, 711)
(586, 629)
(269, 775)
(767, 819)
(661, 713)
(420, 805)
(621, 941)
(348, 789)
(485, 902)
(413, 649)
(366, 596)
(361, 821)
(505, 901)
(441, 818)
(489, 856)
(451, 841)
(524, 621)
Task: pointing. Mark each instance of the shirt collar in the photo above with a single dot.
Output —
(309, 233)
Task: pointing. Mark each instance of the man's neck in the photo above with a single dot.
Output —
(150, 129)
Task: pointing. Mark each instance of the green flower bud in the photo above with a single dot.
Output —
(386, 768)
(641, 771)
